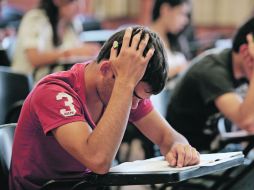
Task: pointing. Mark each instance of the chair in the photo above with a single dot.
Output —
(14, 88)
(6, 141)
(233, 178)
(133, 134)
(74, 183)
(4, 58)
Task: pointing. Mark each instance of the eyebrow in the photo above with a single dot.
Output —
(135, 94)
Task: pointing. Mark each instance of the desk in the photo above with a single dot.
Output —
(120, 179)
(238, 137)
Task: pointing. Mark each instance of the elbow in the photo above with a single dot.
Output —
(100, 165)
(33, 60)
(34, 65)
(101, 170)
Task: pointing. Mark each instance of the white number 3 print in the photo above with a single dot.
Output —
(69, 103)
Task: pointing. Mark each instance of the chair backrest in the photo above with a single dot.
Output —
(6, 142)
(14, 87)
(4, 58)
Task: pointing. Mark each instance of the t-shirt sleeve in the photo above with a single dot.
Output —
(55, 106)
(213, 84)
(144, 107)
(33, 25)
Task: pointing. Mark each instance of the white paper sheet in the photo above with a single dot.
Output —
(159, 163)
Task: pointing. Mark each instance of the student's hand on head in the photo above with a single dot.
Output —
(250, 45)
(130, 65)
(181, 155)
(247, 52)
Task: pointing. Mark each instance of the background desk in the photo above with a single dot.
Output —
(120, 179)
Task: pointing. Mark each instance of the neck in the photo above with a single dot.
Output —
(237, 65)
(158, 27)
(91, 84)
(93, 101)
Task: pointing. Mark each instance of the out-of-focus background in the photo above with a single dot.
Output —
(212, 25)
(211, 19)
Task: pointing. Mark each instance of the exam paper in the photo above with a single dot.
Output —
(158, 164)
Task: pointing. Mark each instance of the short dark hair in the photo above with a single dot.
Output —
(156, 72)
(158, 4)
(240, 36)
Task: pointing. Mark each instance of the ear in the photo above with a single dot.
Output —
(105, 68)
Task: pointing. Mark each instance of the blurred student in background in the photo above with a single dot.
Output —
(208, 88)
(46, 35)
(170, 17)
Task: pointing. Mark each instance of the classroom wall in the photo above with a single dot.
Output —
(24, 4)
(221, 12)
(112, 13)
(206, 13)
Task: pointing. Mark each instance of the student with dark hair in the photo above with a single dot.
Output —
(209, 86)
(73, 121)
(169, 19)
(46, 35)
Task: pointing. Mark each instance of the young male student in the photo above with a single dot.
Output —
(73, 122)
(208, 88)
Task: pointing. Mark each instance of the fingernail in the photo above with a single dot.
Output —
(129, 28)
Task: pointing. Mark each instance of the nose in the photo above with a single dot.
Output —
(135, 102)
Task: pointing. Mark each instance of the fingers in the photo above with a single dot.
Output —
(195, 157)
(180, 157)
(149, 54)
(171, 157)
(250, 44)
(136, 44)
(143, 43)
(127, 37)
(187, 155)
(244, 50)
(250, 39)
(136, 40)
(183, 155)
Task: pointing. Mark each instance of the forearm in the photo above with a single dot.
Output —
(159, 131)
(37, 58)
(169, 140)
(107, 136)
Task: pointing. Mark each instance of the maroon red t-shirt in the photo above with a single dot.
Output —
(58, 99)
